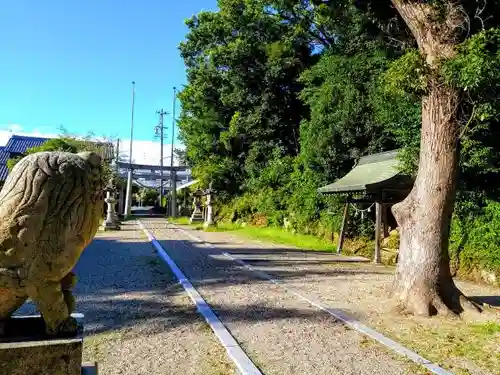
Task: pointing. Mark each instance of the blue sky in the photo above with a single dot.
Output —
(71, 63)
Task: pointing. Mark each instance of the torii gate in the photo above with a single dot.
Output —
(154, 173)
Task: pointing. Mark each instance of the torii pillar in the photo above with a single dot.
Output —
(128, 197)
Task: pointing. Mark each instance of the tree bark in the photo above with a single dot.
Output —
(423, 283)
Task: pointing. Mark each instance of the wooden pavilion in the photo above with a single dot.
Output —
(374, 179)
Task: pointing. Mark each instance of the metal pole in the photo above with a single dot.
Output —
(161, 158)
(117, 155)
(172, 174)
(128, 198)
(160, 129)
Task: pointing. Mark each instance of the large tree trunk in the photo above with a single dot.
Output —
(423, 282)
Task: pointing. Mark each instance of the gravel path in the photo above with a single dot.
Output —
(361, 290)
(282, 334)
(138, 319)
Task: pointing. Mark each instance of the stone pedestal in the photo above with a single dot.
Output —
(196, 216)
(26, 350)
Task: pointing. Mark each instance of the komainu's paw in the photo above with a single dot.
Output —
(69, 300)
(69, 327)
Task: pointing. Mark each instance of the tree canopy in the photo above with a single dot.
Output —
(286, 95)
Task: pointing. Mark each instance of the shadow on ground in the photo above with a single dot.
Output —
(489, 300)
(123, 282)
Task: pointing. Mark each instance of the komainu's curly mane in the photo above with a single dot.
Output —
(50, 194)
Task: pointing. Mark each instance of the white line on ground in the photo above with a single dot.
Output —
(233, 349)
(338, 314)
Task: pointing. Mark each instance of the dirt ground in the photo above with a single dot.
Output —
(464, 347)
(282, 334)
(138, 319)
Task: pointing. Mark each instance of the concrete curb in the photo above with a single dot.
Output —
(234, 350)
(338, 314)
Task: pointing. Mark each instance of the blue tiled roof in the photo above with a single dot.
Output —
(18, 144)
(3, 172)
(4, 156)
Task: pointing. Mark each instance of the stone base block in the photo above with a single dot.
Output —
(110, 226)
(116, 227)
(25, 349)
(196, 218)
(89, 369)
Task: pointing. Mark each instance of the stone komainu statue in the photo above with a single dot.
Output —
(50, 207)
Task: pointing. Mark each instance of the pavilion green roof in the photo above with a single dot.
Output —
(372, 173)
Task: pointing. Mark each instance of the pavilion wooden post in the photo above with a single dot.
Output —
(342, 228)
(384, 220)
(378, 225)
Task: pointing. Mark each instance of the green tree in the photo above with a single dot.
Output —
(147, 196)
(343, 123)
(358, 76)
(241, 100)
(424, 284)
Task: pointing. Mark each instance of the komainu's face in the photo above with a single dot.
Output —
(51, 202)
(50, 208)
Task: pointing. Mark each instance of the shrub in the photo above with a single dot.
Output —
(477, 244)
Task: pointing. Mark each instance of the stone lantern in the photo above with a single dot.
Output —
(197, 215)
(111, 222)
(209, 219)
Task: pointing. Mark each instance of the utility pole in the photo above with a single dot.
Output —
(173, 175)
(117, 155)
(159, 133)
(128, 198)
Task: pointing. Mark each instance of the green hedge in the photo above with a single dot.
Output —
(475, 242)
(296, 206)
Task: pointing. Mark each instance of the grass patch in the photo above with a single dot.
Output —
(269, 234)
(361, 246)
(183, 220)
(354, 247)
(412, 367)
(490, 328)
(221, 227)
(456, 345)
(276, 235)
